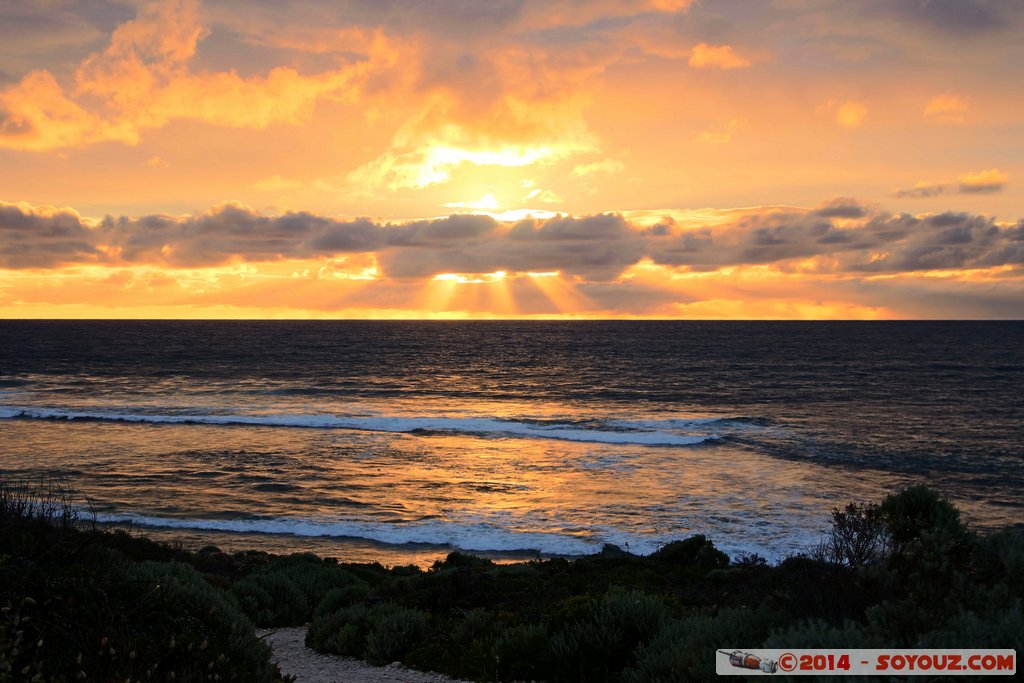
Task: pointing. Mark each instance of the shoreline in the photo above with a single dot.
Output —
(342, 548)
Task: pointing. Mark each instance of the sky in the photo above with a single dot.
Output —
(692, 159)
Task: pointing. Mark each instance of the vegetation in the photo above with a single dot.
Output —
(87, 603)
(79, 603)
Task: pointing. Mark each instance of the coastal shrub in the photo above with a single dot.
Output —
(393, 632)
(323, 632)
(337, 598)
(684, 649)
(380, 634)
(603, 643)
(638, 615)
(810, 588)
(351, 626)
(817, 634)
(74, 605)
(314, 579)
(459, 560)
(471, 640)
(920, 511)
(522, 653)
(751, 562)
(583, 651)
(194, 630)
(476, 625)
(696, 552)
(1000, 560)
(562, 614)
(271, 600)
(857, 536)
(999, 626)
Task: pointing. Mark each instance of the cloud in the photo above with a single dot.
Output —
(720, 56)
(845, 237)
(721, 136)
(143, 80)
(44, 237)
(982, 182)
(947, 108)
(951, 17)
(992, 180)
(839, 236)
(851, 114)
(606, 166)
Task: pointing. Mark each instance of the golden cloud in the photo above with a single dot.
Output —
(851, 114)
(720, 56)
(142, 80)
(947, 108)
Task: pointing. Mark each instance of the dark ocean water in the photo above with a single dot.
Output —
(500, 436)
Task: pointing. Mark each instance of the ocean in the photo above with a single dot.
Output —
(401, 441)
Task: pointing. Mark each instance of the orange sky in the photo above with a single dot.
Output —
(512, 158)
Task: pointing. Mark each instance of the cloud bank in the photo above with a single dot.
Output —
(841, 236)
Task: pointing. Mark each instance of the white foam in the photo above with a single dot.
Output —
(478, 537)
(773, 545)
(452, 425)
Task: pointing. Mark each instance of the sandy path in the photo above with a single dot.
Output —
(308, 666)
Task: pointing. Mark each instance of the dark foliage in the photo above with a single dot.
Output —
(81, 603)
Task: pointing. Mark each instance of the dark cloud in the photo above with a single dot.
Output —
(957, 17)
(842, 207)
(355, 236)
(876, 242)
(944, 241)
(598, 248)
(35, 238)
(566, 228)
(924, 191)
(458, 227)
(981, 188)
(984, 185)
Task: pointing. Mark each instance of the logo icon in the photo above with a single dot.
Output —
(744, 660)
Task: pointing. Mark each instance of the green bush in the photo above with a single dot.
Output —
(522, 653)
(195, 632)
(917, 513)
(999, 626)
(817, 634)
(337, 598)
(696, 552)
(393, 632)
(857, 536)
(380, 634)
(271, 600)
(603, 643)
(459, 560)
(313, 576)
(323, 632)
(684, 650)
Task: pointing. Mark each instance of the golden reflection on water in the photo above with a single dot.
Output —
(472, 487)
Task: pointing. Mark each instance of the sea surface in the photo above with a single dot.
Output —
(401, 441)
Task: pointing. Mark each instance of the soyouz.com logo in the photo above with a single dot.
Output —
(762, 662)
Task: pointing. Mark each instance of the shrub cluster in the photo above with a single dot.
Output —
(84, 604)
